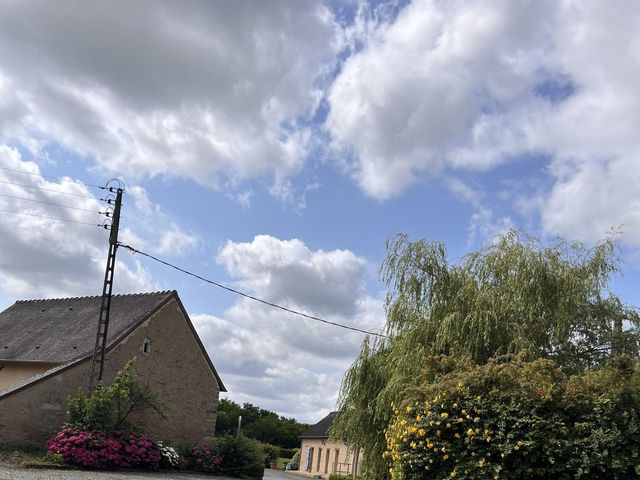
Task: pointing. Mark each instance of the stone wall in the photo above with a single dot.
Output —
(174, 368)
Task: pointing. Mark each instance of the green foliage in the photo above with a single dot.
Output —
(259, 424)
(514, 296)
(511, 419)
(270, 452)
(338, 476)
(240, 455)
(295, 460)
(109, 407)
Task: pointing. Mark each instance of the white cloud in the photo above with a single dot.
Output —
(287, 271)
(451, 85)
(207, 90)
(44, 257)
(278, 360)
(415, 93)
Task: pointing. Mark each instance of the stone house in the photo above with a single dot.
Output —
(320, 456)
(46, 348)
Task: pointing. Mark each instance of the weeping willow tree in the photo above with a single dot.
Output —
(514, 296)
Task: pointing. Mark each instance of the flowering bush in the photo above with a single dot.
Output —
(139, 451)
(100, 451)
(203, 459)
(519, 420)
(169, 457)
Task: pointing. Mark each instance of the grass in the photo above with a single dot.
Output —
(22, 457)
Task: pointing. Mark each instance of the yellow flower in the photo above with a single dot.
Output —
(481, 463)
(444, 415)
(445, 457)
(470, 432)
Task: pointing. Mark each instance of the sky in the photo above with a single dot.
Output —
(275, 146)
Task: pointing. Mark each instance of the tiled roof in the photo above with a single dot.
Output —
(63, 329)
(320, 429)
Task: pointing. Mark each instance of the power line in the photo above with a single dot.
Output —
(246, 295)
(48, 190)
(54, 218)
(59, 179)
(50, 203)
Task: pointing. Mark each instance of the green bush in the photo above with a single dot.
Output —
(512, 419)
(108, 407)
(240, 456)
(295, 460)
(270, 453)
(287, 452)
(338, 476)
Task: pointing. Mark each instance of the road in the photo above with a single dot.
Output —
(12, 473)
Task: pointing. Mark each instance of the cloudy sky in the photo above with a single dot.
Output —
(274, 146)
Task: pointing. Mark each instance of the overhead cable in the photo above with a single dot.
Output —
(54, 218)
(50, 203)
(59, 179)
(48, 190)
(246, 295)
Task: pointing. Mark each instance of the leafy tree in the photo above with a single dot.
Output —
(513, 296)
(110, 406)
(259, 424)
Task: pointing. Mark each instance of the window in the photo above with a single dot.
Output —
(319, 459)
(146, 347)
(309, 458)
(326, 461)
(335, 461)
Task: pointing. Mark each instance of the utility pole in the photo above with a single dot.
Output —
(97, 363)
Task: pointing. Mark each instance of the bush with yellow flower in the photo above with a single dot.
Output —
(512, 419)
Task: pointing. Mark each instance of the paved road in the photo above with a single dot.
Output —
(11, 473)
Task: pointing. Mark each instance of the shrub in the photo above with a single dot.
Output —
(240, 455)
(108, 407)
(202, 458)
(104, 452)
(287, 452)
(169, 457)
(270, 453)
(512, 419)
(339, 476)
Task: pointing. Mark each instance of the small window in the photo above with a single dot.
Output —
(146, 347)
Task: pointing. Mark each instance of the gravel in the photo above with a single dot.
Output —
(13, 473)
(20, 473)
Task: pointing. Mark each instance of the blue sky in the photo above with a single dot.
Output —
(275, 146)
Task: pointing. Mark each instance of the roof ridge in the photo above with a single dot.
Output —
(57, 299)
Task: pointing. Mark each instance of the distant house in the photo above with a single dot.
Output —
(320, 456)
(46, 348)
